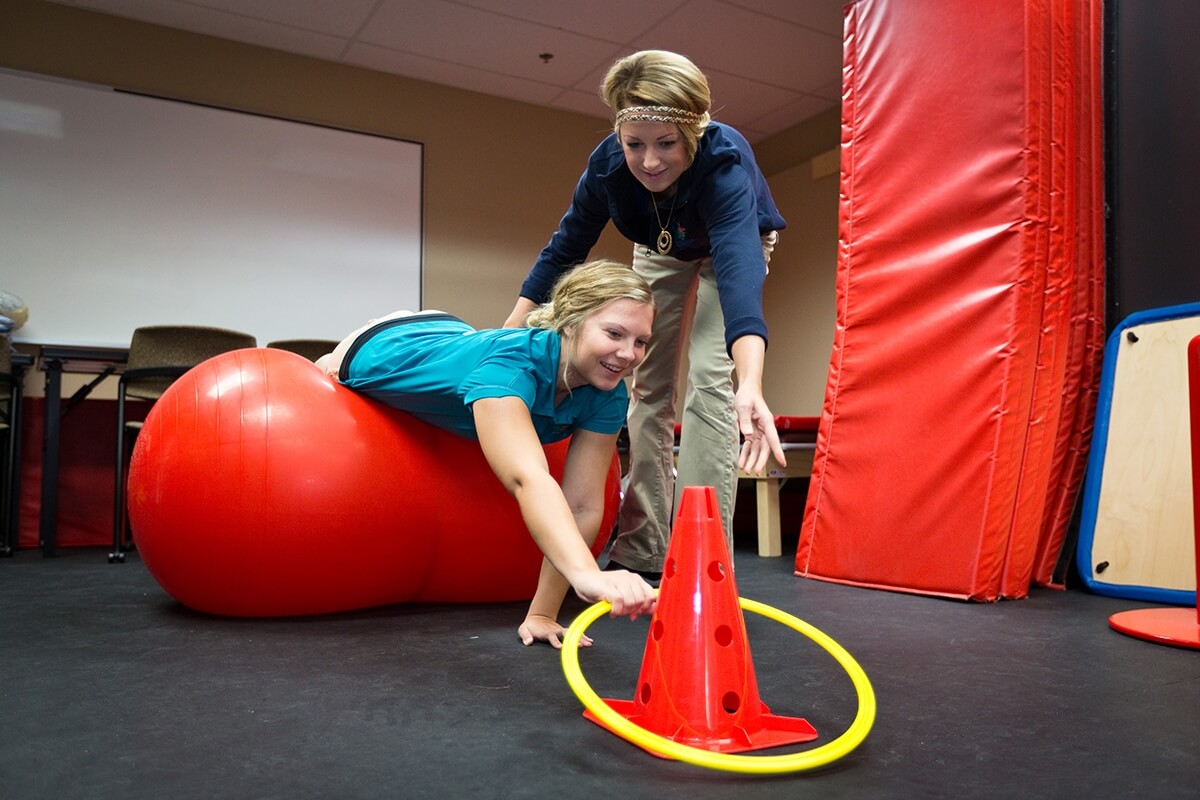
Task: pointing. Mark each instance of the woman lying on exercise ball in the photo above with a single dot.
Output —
(516, 389)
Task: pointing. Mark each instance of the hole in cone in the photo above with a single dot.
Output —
(716, 571)
(724, 635)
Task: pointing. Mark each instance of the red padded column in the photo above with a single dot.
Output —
(961, 324)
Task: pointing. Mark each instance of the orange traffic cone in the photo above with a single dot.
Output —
(697, 684)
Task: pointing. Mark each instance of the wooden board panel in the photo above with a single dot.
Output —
(1137, 535)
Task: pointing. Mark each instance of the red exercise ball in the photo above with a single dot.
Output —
(260, 487)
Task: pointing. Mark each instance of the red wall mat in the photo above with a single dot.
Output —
(941, 359)
(1086, 231)
(1050, 79)
(85, 485)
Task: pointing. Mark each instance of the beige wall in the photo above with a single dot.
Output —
(498, 174)
(798, 298)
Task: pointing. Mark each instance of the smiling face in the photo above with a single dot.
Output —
(608, 344)
(655, 153)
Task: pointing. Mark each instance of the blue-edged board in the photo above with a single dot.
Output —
(1136, 535)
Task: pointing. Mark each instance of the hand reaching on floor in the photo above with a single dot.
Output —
(537, 628)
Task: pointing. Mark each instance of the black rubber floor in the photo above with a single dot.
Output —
(109, 689)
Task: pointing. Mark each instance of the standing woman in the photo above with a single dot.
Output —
(689, 195)
(515, 390)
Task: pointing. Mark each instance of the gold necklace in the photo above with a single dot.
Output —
(664, 241)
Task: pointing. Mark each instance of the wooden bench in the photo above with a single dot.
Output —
(766, 492)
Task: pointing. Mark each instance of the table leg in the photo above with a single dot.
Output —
(48, 522)
(766, 492)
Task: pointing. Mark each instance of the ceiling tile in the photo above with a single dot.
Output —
(823, 16)
(223, 25)
(454, 75)
(615, 21)
(334, 17)
(738, 101)
(791, 114)
(488, 41)
(771, 63)
(772, 52)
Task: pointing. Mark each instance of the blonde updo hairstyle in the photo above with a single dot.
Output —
(584, 290)
(660, 78)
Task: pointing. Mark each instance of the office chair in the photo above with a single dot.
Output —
(158, 355)
(10, 430)
(312, 349)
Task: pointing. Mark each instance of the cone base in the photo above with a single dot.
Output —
(1174, 626)
(772, 731)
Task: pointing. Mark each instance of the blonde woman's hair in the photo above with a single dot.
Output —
(584, 290)
(664, 79)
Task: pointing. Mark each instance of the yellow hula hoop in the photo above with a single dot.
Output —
(729, 762)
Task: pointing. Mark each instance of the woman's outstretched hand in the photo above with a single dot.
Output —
(755, 421)
(537, 628)
(629, 595)
(760, 439)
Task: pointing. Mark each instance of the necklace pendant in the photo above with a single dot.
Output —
(664, 242)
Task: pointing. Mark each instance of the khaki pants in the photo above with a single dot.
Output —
(689, 313)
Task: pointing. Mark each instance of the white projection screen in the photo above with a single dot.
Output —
(120, 210)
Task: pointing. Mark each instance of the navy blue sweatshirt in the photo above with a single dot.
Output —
(722, 208)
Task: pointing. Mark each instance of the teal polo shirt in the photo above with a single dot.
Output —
(434, 366)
